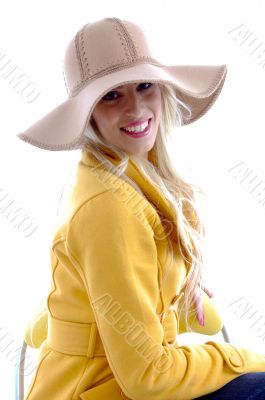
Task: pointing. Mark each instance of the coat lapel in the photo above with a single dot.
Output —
(150, 191)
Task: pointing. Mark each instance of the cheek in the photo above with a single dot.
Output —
(157, 101)
(107, 117)
(158, 106)
(100, 118)
(107, 123)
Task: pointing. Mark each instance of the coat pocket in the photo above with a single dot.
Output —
(108, 390)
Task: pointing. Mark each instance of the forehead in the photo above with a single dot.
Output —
(125, 85)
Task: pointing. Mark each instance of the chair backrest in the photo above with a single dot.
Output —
(20, 367)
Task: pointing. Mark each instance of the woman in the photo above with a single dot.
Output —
(126, 260)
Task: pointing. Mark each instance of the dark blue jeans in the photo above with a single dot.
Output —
(249, 386)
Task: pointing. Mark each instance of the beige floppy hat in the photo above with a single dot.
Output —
(103, 55)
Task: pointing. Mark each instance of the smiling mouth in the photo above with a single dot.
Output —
(137, 130)
(138, 134)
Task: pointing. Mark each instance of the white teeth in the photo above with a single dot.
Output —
(138, 128)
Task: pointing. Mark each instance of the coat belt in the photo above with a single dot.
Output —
(74, 338)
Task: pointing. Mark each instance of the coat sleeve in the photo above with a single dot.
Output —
(37, 327)
(213, 320)
(115, 252)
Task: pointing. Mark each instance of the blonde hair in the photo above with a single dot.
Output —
(180, 194)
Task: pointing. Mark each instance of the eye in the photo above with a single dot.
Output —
(113, 95)
(109, 96)
(143, 85)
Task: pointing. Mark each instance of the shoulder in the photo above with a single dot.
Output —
(101, 197)
(121, 208)
(105, 226)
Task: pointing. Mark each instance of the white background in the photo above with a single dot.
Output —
(34, 36)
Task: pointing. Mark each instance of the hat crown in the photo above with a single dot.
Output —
(103, 47)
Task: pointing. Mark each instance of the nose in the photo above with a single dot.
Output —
(133, 104)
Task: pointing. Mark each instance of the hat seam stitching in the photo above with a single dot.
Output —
(78, 54)
(128, 39)
(86, 69)
(124, 43)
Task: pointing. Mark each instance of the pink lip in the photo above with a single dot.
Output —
(135, 123)
(139, 134)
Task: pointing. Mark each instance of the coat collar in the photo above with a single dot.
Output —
(150, 191)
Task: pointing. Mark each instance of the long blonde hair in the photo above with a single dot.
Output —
(161, 171)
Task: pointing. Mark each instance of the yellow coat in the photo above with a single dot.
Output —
(112, 327)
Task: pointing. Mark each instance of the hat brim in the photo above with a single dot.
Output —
(62, 128)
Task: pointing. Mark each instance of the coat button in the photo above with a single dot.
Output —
(235, 360)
